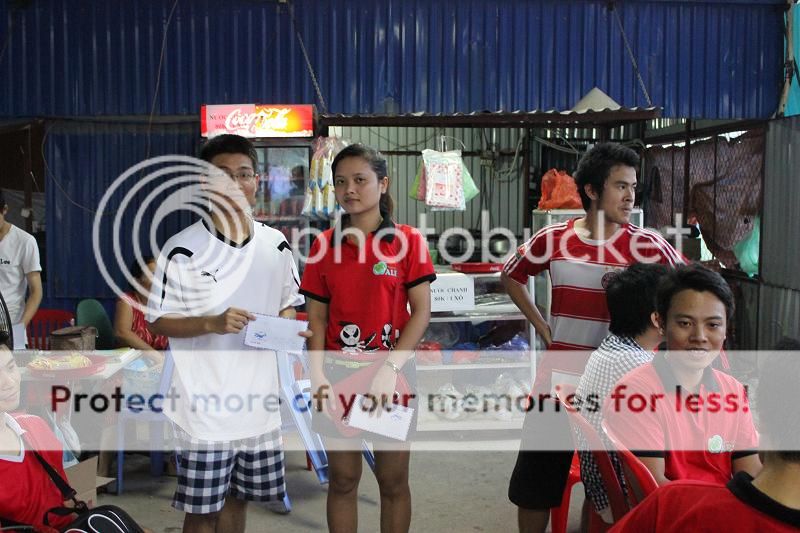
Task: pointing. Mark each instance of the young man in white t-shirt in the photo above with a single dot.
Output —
(20, 272)
(210, 279)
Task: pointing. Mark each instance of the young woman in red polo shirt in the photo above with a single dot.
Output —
(360, 280)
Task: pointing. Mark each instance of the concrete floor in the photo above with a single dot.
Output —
(460, 491)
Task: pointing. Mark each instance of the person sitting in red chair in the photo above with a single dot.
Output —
(768, 502)
(27, 500)
(682, 418)
(32, 493)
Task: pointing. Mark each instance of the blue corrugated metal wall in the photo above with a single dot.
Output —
(700, 58)
(82, 162)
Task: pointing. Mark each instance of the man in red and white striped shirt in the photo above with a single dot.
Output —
(578, 254)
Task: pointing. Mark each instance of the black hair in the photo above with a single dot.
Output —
(2, 199)
(777, 399)
(4, 336)
(596, 164)
(698, 278)
(631, 298)
(378, 165)
(229, 144)
(136, 266)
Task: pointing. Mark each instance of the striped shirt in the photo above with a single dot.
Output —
(579, 269)
(614, 358)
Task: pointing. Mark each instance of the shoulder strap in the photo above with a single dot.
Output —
(66, 491)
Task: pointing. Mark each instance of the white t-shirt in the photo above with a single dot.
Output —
(226, 390)
(19, 256)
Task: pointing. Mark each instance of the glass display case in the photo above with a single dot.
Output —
(474, 365)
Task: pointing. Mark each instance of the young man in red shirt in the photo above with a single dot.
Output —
(682, 418)
(32, 492)
(578, 254)
(768, 502)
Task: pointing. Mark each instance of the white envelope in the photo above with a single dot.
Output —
(275, 333)
(393, 422)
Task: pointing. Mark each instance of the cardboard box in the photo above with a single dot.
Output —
(452, 291)
(84, 479)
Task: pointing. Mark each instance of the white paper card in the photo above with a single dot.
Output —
(275, 333)
(393, 421)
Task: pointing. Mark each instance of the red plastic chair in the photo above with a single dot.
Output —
(640, 480)
(616, 496)
(560, 515)
(44, 322)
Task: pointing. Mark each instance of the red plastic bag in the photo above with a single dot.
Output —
(559, 191)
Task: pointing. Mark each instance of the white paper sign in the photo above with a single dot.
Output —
(275, 333)
(452, 291)
(393, 421)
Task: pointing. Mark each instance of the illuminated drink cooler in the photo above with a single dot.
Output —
(282, 135)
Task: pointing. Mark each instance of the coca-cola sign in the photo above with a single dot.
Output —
(257, 120)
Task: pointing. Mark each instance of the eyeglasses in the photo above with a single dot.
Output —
(241, 177)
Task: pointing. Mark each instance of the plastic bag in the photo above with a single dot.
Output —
(444, 179)
(470, 189)
(320, 200)
(417, 191)
(419, 186)
(559, 191)
(746, 250)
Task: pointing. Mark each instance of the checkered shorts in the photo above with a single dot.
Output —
(247, 469)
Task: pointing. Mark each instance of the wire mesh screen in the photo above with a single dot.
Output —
(725, 187)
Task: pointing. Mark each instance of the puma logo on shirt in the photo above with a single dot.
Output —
(210, 275)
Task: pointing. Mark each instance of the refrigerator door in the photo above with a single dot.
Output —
(279, 201)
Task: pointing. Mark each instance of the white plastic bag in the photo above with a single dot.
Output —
(444, 179)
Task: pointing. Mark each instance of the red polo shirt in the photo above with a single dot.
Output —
(367, 299)
(697, 435)
(32, 492)
(698, 506)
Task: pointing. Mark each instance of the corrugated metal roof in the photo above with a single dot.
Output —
(608, 116)
(79, 57)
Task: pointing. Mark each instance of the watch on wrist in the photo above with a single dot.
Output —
(392, 365)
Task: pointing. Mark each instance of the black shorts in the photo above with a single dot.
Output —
(334, 372)
(539, 477)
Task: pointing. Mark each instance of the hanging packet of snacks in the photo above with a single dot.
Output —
(444, 179)
(418, 187)
(320, 200)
